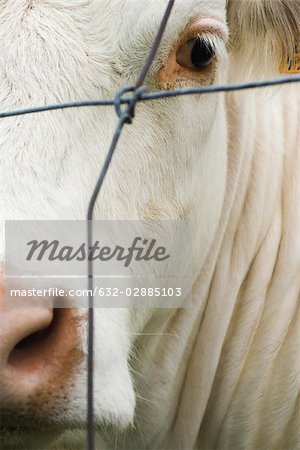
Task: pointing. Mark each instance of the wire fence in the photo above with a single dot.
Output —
(125, 103)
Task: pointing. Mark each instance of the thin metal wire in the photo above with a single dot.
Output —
(55, 107)
(125, 117)
(155, 45)
(90, 361)
(157, 95)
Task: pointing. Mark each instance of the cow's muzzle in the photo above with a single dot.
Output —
(38, 354)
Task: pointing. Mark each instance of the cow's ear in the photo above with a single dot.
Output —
(265, 35)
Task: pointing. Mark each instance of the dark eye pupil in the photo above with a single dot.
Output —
(202, 54)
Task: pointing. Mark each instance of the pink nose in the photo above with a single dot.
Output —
(37, 348)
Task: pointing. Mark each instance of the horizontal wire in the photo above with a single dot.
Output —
(156, 96)
(58, 106)
(220, 88)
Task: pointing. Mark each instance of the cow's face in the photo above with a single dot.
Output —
(170, 164)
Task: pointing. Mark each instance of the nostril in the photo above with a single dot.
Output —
(34, 351)
(32, 340)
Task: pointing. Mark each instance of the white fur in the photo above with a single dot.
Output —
(224, 374)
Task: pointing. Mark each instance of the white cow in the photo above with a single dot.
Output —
(224, 374)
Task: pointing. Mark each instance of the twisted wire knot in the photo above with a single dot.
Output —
(128, 113)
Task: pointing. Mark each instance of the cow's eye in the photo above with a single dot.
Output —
(195, 54)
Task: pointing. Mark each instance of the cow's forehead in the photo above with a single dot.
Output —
(157, 7)
(137, 17)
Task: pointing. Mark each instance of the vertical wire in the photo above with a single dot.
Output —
(123, 118)
(90, 361)
(156, 45)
